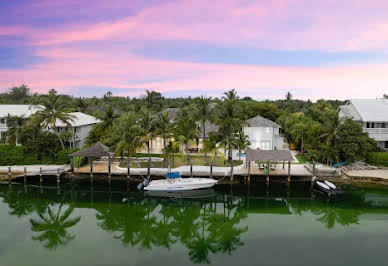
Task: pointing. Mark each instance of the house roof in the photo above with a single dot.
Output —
(172, 113)
(80, 119)
(375, 110)
(350, 112)
(18, 110)
(97, 150)
(272, 155)
(259, 121)
(209, 128)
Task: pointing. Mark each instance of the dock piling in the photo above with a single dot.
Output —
(25, 175)
(249, 172)
(40, 175)
(289, 172)
(58, 177)
(191, 168)
(9, 174)
(91, 170)
(267, 179)
(211, 168)
(128, 168)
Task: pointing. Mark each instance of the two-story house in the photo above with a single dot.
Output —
(6, 110)
(372, 114)
(263, 134)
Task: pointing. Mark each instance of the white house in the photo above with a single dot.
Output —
(81, 125)
(14, 110)
(263, 134)
(372, 114)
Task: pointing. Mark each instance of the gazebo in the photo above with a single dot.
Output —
(269, 156)
(97, 150)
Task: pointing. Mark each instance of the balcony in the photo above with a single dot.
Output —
(376, 130)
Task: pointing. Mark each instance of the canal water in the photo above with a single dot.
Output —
(236, 225)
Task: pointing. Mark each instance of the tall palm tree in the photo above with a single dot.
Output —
(241, 142)
(148, 130)
(51, 110)
(16, 127)
(205, 110)
(52, 227)
(153, 99)
(211, 146)
(164, 128)
(125, 134)
(186, 130)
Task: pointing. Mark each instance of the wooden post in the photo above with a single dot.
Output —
(109, 169)
(289, 172)
(249, 172)
(231, 170)
(211, 168)
(9, 174)
(313, 168)
(40, 175)
(91, 170)
(283, 164)
(72, 164)
(191, 168)
(58, 177)
(267, 179)
(25, 175)
(149, 168)
(128, 168)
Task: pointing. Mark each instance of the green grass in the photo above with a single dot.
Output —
(179, 160)
(301, 158)
(378, 158)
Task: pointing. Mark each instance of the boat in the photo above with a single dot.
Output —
(327, 188)
(175, 182)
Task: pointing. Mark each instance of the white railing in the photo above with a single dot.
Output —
(376, 130)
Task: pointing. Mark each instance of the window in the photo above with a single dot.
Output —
(367, 125)
(383, 125)
(2, 121)
(386, 145)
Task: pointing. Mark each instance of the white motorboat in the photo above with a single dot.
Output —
(176, 184)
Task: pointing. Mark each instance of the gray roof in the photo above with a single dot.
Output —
(350, 112)
(79, 119)
(209, 128)
(172, 113)
(97, 150)
(259, 121)
(374, 110)
(272, 155)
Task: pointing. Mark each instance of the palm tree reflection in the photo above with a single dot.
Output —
(51, 227)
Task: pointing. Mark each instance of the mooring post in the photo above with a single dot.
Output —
(128, 168)
(149, 168)
(211, 168)
(9, 174)
(40, 175)
(289, 172)
(249, 172)
(283, 164)
(267, 179)
(91, 170)
(231, 170)
(191, 168)
(25, 175)
(72, 164)
(109, 169)
(58, 177)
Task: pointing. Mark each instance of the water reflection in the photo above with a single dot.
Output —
(207, 224)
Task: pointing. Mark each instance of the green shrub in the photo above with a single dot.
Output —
(79, 161)
(378, 158)
(63, 156)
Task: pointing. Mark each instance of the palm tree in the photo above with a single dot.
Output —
(52, 110)
(186, 130)
(211, 146)
(205, 110)
(241, 142)
(52, 227)
(148, 130)
(81, 104)
(16, 128)
(164, 128)
(126, 134)
(153, 99)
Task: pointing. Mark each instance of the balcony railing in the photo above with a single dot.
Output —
(376, 130)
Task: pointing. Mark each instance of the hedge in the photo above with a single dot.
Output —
(18, 155)
(378, 158)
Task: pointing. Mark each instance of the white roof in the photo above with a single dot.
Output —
(374, 110)
(17, 110)
(259, 121)
(79, 119)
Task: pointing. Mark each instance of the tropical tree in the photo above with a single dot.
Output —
(125, 134)
(52, 227)
(153, 100)
(211, 145)
(204, 112)
(148, 130)
(16, 126)
(241, 142)
(81, 104)
(164, 128)
(20, 93)
(186, 130)
(51, 111)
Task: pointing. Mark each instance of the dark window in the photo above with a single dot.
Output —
(383, 125)
(386, 144)
(367, 125)
(75, 130)
(2, 121)
(372, 125)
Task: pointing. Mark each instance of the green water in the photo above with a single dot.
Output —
(227, 226)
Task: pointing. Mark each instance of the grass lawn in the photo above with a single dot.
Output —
(301, 158)
(179, 160)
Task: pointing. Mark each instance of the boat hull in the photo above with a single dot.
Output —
(180, 184)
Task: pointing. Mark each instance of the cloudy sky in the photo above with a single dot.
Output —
(315, 49)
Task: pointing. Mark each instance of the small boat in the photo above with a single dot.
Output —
(174, 182)
(327, 188)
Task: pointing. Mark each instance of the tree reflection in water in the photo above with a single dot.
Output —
(51, 227)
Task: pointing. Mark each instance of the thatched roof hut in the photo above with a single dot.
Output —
(97, 150)
(271, 155)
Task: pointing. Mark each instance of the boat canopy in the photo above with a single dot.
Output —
(173, 175)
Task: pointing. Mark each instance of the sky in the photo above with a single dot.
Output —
(333, 49)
